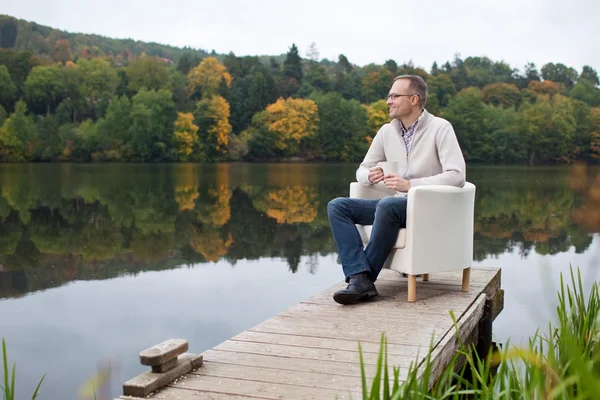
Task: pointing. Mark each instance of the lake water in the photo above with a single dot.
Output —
(100, 261)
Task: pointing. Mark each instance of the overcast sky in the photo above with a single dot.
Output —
(516, 31)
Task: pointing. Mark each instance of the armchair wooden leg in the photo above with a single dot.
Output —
(412, 288)
(425, 277)
(466, 281)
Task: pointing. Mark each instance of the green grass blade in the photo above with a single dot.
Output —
(37, 389)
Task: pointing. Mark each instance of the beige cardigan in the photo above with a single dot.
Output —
(435, 157)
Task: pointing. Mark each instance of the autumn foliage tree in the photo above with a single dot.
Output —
(212, 118)
(207, 77)
(283, 126)
(186, 135)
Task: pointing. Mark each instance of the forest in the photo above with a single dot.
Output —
(83, 98)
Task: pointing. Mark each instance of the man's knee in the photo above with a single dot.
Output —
(392, 204)
(335, 205)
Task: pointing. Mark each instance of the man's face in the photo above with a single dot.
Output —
(400, 106)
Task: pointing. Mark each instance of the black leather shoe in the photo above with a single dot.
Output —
(360, 288)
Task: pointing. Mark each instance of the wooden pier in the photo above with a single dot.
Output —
(310, 351)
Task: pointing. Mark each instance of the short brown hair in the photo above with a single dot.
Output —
(418, 87)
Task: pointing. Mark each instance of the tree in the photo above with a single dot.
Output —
(147, 72)
(62, 51)
(153, 116)
(17, 134)
(8, 90)
(585, 91)
(344, 64)
(391, 66)
(205, 79)
(73, 103)
(99, 84)
(502, 95)
(317, 76)
(376, 83)
(282, 127)
(19, 65)
(187, 61)
(185, 135)
(212, 118)
(559, 73)
(548, 128)
(378, 114)
(45, 85)
(115, 129)
(312, 53)
(292, 66)
(590, 74)
(466, 112)
(343, 128)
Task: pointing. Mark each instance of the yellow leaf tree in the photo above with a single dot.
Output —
(212, 119)
(207, 77)
(186, 135)
(378, 115)
(286, 123)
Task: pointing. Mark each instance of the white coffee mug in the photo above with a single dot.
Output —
(389, 167)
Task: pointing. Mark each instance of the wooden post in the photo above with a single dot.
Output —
(425, 277)
(412, 288)
(484, 339)
(466, 279)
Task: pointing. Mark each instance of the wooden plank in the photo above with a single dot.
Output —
(319, 342)
(146, 383)
(303, 355)
(163, 352)
(255, 360)
(273, 375)
(258, 388)
(169, 393)
(422, 335)
(369, 311)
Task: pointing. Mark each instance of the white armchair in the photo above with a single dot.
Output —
(438, 235)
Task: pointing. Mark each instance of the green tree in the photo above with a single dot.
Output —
(74, 103)
(343, 128)
(114, 129)
(559, 73)
(466, 112)
(187, 61)
(153, 117)
(376, 83)
(585, 91)
(45, 85)
(502, 95)
(292, 66)
(548, 128)
(8, 90)
(99, 84)
(147, 72)
(19, 64)
(590, 74)
(17, 135)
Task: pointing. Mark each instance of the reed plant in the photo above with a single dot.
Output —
(9, 378)
(561, 363)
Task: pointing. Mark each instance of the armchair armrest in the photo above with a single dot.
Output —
(439, 226)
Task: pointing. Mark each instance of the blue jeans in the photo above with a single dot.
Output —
(387, 216)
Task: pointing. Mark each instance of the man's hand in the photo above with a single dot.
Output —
(396, 182)
(375, 174)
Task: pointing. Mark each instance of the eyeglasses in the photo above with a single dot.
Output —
(394, 96)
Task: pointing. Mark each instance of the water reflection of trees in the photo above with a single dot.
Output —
(63, 223)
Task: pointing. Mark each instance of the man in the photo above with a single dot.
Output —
(427, 153)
